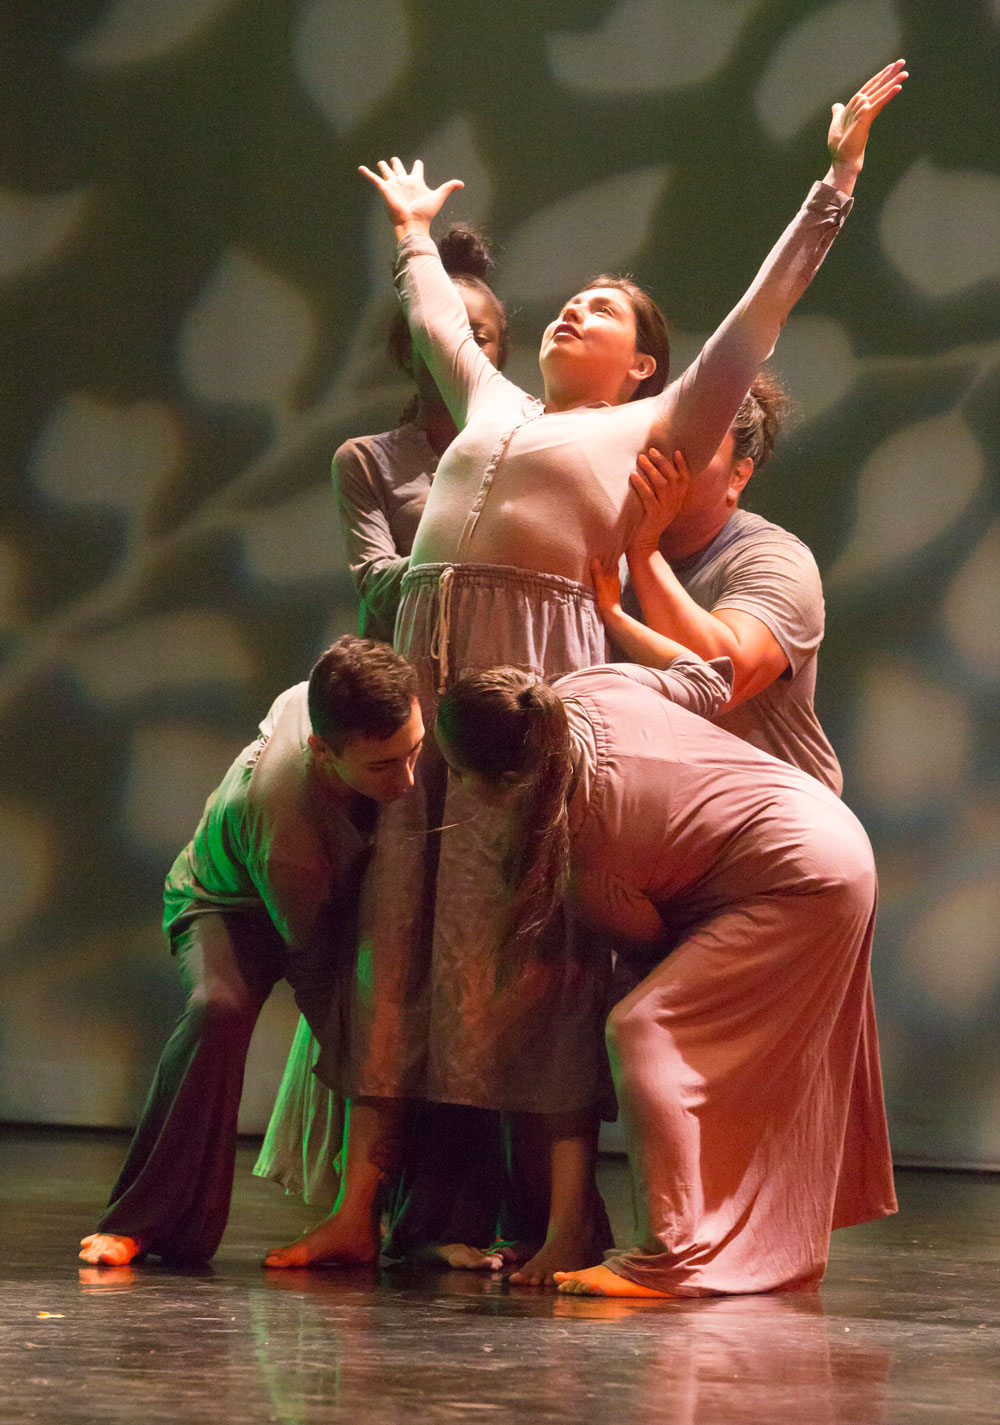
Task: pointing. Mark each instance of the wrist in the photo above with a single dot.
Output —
(843, 174)
(643, 545)
(612, 614)
(411, 227)
(641, 553)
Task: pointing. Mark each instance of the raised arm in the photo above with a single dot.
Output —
(851, 123)
(702, 404)
(439, 324)
(410, 202)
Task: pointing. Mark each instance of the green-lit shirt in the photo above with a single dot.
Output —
(273, 838)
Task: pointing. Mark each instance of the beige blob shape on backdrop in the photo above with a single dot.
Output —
(941, 229)
(137, 31)
(34, 229)
(971, 608)
(173, 766)
(650, 46)
(912, 488)
(824, 60)
(912, 745)
(249, 338)
(25, 866)
(297, 540)
(186, 648)
(609, 221)
(953, 950)
(95, 452)
(815, 361)
(349, 55)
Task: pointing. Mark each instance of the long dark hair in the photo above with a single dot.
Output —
(507, 726)
(651, 335)
(467, 259)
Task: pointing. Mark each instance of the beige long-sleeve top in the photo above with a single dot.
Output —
(550, 491)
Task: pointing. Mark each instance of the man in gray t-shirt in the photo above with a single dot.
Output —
(762, 570)
(725, 582)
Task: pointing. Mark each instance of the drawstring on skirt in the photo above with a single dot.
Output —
(442, 633)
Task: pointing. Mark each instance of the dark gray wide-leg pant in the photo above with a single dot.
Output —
(173, 1192)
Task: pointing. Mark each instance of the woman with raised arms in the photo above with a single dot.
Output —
(523, 500)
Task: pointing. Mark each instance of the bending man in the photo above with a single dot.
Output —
(264, 890)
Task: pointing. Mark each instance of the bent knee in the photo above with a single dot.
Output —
(631, 1025)
(223, 1013)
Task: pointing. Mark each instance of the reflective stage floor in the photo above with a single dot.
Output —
(905, 1329)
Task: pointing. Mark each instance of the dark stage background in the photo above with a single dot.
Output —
(194, 284)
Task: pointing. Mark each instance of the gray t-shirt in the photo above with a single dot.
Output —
(761, 569)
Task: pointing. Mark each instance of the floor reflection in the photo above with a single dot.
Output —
(906, 1327)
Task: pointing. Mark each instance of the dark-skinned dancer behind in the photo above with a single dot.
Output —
(266, 889)
(726, 582)
(500, 571)
(746, 1061)
(381, 483)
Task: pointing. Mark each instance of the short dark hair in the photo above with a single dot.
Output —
(360, 688)
(651, 335)
(758, 420)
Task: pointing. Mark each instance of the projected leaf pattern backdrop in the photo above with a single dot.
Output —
(195, 292)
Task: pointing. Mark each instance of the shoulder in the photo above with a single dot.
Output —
(746, 526)
(284, 732)
(364, 449)
(749, 538)
(400, 453)
(292, 703)
(602, 678)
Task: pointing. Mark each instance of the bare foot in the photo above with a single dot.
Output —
(459, 1256)
(338, 1239)
(105, 1249)
(513, 1254)
(559, 1253)
(601, 1281)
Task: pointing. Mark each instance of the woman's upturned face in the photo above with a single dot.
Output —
(595, 332)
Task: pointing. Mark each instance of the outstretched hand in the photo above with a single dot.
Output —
(410, 202)
(852, 121)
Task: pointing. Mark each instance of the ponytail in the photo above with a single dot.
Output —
(536, 861)
(506, 726)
